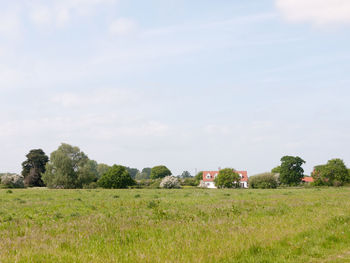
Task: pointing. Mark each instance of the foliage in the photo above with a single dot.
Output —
(69, 168)
(276, 170)
(227, 178)
(144, 174)
(186, 174)
(117, 177)
(334, 173)
(199, 177)
(263, 181)
(133, 172)
(191, 181)
(170, 182)
(12, 180)
(102, 169)
(33, 167)
(160, 171)
(291, 172)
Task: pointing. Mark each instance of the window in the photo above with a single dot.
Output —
(208, 176)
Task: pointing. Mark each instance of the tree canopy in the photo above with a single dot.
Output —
(69, 168)
(334, 173)
(117, 177)
(33, 167)
(160, 171)
(227, 178)
(186, 174)
(291, 172)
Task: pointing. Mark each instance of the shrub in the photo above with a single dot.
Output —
(170, 182)
(263, 181)
(189, 182)
(12, 181)
(227, 178)
(160, 171)
(116, 177)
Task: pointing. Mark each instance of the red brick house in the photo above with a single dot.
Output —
(209, 176)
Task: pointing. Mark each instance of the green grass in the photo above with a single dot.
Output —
(188, 225)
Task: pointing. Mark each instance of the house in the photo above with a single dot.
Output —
(307, 179)
(209, 176)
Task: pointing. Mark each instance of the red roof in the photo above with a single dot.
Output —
(308, 179)
(209, 176)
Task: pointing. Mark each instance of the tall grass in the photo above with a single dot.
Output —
(189, 225)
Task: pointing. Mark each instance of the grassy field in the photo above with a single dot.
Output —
(188, 225)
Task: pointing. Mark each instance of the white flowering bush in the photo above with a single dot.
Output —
(170, 182)
(12, 180)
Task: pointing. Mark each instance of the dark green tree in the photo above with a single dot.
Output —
(227, 178)
(186, 174)
(160, 171)
(291, 172)
(33, 167)
(117, 177)
(69, 168)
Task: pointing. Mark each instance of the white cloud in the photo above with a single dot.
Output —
(59, 12)
(123, 26)
(10, 24)
(318, 12)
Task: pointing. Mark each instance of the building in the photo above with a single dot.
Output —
(209, 176)
(307, 179)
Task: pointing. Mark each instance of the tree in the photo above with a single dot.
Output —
(133, 172)
(33, 167)
(102, 169)
(117, 177)
(144, 174)
(69, 168)
(12, 180)
(227, 178)
(160, 171)
(291, 172)
(186, 174)
(199, 177)
(276, 170)
(333, 173)
(263, 181)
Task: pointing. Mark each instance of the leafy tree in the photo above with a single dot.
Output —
(144, 174)
(102, 169)
(333, 173)
(132, 171)
(117, 177)
(263, 181)
(199, 177)
(69, 168)
(291, 172)
(276, 170)
(227, 178)
(160, 171)
(186, 174)
(33, 167)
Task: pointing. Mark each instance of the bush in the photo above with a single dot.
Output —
(117, 177)
(189, 182)
(160, 171)
(263, 181)
(170, 182)
(12, 181)
(227, 178)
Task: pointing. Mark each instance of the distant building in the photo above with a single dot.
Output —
(307, 179)
(209, 176)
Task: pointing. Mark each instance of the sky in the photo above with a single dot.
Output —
(193, 85)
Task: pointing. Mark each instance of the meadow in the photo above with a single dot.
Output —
(185, 225)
